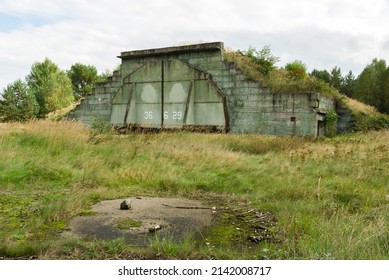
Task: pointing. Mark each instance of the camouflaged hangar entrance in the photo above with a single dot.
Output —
(169, 94)
(193, 87)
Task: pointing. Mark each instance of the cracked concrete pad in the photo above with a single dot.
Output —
(175, 216)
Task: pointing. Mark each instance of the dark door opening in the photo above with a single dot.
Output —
(321, 128)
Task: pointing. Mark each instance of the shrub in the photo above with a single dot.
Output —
(296, 69)
(264, 58)
(364, 122)
(331, 123)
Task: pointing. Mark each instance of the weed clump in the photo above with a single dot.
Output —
(127, 223)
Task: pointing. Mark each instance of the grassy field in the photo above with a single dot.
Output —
(330, 197)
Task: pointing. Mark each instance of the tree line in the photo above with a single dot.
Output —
(370, 87)
(47, 88)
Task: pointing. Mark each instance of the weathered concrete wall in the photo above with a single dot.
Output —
(346, 122)
(250, 107)
(98, 106)
(254, 109)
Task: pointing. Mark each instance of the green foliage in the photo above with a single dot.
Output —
(336, 79)
(50, 85)
(372, 85)
(365, 122)
(100, 126)
(18, 103)
(263, 58)
(278, 80)
(246, 64)
(83, 79)
(127, 223)
(344, 84)
(323, 75)
(296, 69)
(348, 85)
(103, 77)
(331, 123)
(168, 248)
(281, 81)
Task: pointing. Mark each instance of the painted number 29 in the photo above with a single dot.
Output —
(176, 115)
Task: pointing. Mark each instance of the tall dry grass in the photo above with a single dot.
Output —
(330, 196)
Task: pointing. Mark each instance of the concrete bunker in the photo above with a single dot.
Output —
(194, 87)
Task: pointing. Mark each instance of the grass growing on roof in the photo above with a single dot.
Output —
(280, 80)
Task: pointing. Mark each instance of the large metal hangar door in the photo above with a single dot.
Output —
(169, 94)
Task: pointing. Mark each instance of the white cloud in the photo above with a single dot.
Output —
(325, 33)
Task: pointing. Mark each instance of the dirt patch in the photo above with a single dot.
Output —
(171, 218)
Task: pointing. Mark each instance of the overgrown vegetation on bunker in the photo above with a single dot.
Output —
(328, 196)
(259, 65)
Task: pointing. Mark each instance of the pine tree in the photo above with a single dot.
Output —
(323, 75)
(336, 79)
(348, 84)
(18, 103)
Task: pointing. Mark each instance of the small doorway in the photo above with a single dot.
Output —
(321, 128)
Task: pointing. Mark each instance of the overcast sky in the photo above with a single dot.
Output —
(321, 33)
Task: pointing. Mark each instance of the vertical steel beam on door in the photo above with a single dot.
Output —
(162, 90)
(188, 101)
(132, 86)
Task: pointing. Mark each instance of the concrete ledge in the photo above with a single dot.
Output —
(215, 46)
